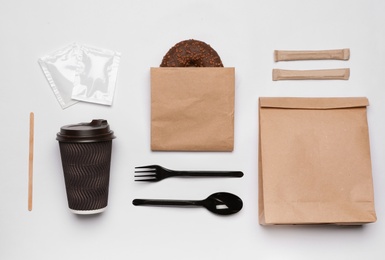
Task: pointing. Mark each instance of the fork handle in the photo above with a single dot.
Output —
(237, 174)
(159, 202)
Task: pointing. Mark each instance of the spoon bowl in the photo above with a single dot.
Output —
(223, 203)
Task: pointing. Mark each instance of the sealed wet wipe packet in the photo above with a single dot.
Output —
(95, 79)
(81, 73)
(60, 69)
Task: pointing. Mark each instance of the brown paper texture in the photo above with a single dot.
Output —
(327, 74)
(340, 54)
(192, 109)
(314, 161)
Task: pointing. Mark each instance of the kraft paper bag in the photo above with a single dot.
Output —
(314, 161)
(192, 109)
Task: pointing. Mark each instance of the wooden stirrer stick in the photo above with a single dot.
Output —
(30, 165)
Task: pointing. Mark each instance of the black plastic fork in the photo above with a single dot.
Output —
(153, 173)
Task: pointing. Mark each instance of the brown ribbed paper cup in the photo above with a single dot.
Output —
(85, 150)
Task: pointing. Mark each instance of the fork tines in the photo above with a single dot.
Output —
(150, 169)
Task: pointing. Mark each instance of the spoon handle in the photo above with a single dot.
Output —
(159, 202)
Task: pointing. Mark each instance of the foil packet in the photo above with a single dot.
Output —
(60, 69)
(81, 73)
(95, 79)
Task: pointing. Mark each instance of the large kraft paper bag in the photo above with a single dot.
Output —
(314, 161)
(192, 109)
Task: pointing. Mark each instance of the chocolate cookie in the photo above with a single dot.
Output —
(191, 53)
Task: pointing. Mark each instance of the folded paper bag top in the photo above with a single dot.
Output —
(192, 109)
(314, 161)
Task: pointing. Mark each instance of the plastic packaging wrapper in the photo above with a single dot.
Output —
(81, 73)
(60, 68)
(96, 75)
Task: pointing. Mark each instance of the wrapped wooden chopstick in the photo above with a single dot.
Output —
(328, 74)
(338, 54)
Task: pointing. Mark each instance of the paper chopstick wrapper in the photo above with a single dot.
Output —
(328, 74)
(339, 54)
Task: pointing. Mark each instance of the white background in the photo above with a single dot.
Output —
(245, 33)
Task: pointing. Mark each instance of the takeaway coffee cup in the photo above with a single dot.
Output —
(85, 150)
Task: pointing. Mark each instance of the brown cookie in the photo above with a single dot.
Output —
(191, 53)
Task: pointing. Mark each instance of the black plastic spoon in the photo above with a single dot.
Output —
(222, 203)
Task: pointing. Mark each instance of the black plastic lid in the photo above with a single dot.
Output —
(95, 131)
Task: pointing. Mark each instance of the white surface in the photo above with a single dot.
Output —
(245, 34)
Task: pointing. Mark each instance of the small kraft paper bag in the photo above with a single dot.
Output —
(314, 161)
(192, 109)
